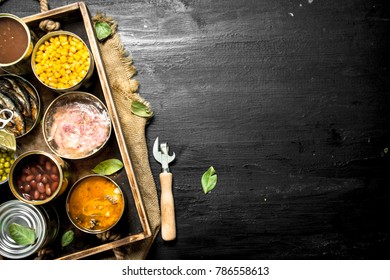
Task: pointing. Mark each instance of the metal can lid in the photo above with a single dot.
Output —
(15, 211)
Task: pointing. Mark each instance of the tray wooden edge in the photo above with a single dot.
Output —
(117, 128)
(104, 247)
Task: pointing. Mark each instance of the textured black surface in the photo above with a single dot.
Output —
(288, 100)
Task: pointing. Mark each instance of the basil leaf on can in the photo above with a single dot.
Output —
(22, 235)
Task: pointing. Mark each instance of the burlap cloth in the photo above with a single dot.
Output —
(120, 72)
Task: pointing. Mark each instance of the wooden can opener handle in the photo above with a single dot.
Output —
(168, 221)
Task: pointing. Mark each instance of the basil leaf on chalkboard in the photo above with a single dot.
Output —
(103, 30)
(67, 238)
(209, 180)
(22, 235)
(108, 167)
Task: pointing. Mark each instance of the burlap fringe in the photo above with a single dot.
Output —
(125, 58)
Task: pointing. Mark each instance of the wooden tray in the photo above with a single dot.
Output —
(134, 224)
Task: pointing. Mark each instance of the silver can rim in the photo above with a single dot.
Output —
(18, 19)
(22, 157)
(27, 215)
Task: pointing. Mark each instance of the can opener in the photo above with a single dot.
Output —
(7, 139)
(168, 223)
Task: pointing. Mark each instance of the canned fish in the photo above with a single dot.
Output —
(43, 219)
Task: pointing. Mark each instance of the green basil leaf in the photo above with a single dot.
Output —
(22, 235)
(140, 109)
(209, 180)
(108, 167)
(103, 30)
(67, 238)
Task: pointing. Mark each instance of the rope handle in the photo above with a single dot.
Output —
(47, 25)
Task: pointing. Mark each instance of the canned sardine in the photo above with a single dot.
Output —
(43, 219)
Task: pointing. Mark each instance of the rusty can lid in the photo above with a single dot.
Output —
(15, 211)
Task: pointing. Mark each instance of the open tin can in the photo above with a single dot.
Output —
(62, 61)
(16, 45)
(95, 203)
(37, 177)
(42, 219)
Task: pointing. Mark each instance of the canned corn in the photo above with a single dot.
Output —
(62, 61)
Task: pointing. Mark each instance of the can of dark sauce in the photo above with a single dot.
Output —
(16, 45)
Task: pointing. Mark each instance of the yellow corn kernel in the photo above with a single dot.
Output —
(74, 39)
(52, 79)
(57, 75)
(79, 46)
(38, 70)
(63, 38)
(43, 76)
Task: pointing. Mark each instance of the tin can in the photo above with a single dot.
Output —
(81, 112)
(69, 67)
(38, 177)
(43, 219)
(17, 42)
(30, 110)
(95, 204)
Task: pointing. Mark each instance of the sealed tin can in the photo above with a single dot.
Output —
(42, 219)
(17, 44)
(37, 177)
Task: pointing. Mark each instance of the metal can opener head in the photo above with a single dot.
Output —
(161, 154)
